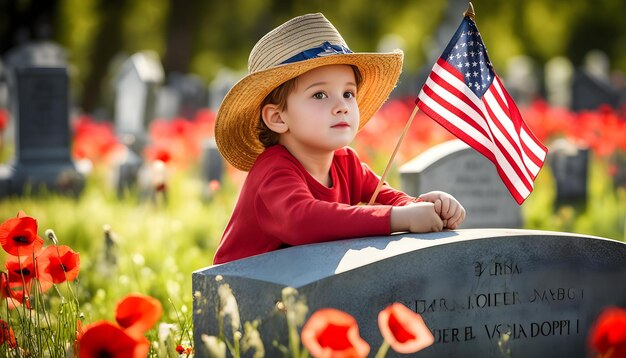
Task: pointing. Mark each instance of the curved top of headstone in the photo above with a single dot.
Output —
(146, 64)
(37, 54)
(300, 265)
(433, 154)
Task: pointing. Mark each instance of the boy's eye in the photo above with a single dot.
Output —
(349, 94)
(319, 95)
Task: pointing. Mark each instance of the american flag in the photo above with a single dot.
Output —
(465, 96)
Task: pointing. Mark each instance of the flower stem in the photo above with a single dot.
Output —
(382, 351)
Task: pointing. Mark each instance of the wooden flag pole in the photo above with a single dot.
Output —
(472, 15)
(393, 155)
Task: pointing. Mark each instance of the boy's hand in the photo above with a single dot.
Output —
(416, 217)
(447, 207)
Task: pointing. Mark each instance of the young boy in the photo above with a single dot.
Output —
(288, 123)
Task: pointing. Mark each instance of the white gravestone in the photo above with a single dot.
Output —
(136, 93)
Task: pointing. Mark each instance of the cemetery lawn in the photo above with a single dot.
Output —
(158, 244)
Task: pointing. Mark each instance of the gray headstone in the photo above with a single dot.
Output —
(559, 73)
(168, 102)
(224, 80)
(42, 153)
(192, 92)
(212, 164)
(125, 173)
(459, 170)
(619, 177)
(522, 80)
(470, 286)
(591, 87)
(136, 87)
(4, 87)
(569, 164)
(37, 54)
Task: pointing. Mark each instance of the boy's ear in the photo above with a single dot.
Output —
(272, 117)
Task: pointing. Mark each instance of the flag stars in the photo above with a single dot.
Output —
(467, 64)
(468, 75)
(474, 64)
(464, 54)
(475, 74)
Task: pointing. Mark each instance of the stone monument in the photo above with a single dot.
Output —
(481, 292)
(471, 178)
(42, 159)
(135, 97)
(570, 169)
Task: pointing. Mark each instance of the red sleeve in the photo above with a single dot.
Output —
(287, 209)
(369, 180)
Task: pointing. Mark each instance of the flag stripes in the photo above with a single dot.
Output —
(491, 125)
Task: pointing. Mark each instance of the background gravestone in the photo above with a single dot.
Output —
(467, 175)
(570, 168)
(224, 80)
(191, 91)
(591, 86)
(522, 80)
(212, 166)
(136, 87)
(4, 87)
(42, 133)
(558, 82)
(182, 96)
(37, 54)
(471, 287)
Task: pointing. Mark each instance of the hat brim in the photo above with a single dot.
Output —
(237, 118)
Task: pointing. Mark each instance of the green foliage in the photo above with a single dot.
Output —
(157, 245)
(223, 32)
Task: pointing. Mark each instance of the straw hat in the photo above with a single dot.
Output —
(293, 48)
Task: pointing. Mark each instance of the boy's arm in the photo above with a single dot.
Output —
(286, 209)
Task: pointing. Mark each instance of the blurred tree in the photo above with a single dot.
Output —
(108, 44)
(202, 36)
(183, 19)
(22, 21)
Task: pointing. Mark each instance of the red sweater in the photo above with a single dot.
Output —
(282, 205)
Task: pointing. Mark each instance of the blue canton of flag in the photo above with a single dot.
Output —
(468, 54)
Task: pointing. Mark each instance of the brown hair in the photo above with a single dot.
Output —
(278, 96)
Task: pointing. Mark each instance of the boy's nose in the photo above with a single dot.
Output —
(340, 107)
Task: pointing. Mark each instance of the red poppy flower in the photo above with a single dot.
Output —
(4, 285)
(12, 291)
(608, 335)
(18, 236)
(105, 339)
(333, 333)
(21, 272)
(59, 263)
(403, 329)
(6, 335)
(21, 269)
(137, 313)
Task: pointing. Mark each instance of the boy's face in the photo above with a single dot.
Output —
(322, 112)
